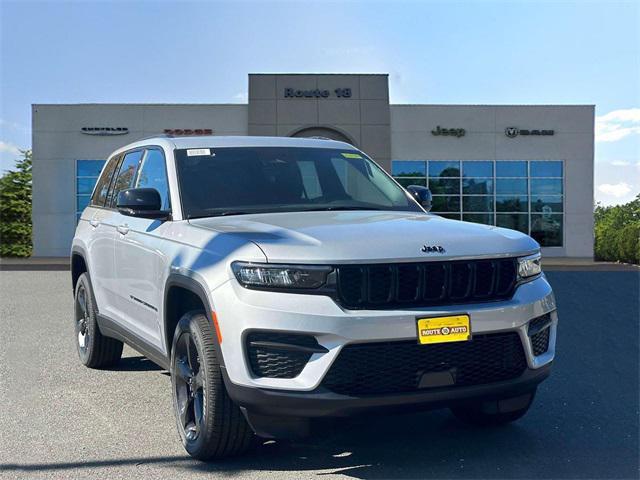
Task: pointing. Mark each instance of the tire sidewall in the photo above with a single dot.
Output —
(188, 324)
(92, 326)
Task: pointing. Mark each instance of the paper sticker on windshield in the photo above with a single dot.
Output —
(197, 152)
(351, 155)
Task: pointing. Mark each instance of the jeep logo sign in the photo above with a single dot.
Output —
(513, 132)
(452, 132)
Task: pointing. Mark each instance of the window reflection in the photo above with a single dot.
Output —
(546, 229)
(518, 194)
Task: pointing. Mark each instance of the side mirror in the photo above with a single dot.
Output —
(422, 195)
(141, 202)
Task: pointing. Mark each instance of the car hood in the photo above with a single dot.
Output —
(367, 236)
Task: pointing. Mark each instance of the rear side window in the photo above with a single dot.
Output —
(126, 174)
(153, 174)
(102, 187)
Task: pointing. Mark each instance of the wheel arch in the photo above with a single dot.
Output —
(183, 294)
(79, 264)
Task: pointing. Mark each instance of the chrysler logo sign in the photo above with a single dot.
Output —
(104, 131)
(513, 132)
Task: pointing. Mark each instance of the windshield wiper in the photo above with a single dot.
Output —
(330, 209)
(220, 214)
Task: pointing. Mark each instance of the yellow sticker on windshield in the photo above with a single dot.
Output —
(351, 155)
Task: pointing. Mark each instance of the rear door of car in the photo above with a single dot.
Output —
(100, 241)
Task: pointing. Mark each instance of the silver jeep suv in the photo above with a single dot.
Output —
(285, 282)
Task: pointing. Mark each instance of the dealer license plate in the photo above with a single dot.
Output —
(456, 328)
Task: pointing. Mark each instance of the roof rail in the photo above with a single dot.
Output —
(159, 135)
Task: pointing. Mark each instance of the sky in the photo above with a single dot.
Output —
(473, 52)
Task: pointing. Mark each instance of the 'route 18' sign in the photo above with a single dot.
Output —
(316, 93)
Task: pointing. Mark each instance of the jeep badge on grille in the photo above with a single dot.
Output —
(432, 249)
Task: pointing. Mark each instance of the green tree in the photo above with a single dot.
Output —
(617, 232)
(15, 209)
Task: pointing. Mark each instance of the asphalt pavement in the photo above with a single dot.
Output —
(61, 420)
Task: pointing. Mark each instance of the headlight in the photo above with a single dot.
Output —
(529, 266)
(262, 275)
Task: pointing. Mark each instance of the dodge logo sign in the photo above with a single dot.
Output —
(513, 132)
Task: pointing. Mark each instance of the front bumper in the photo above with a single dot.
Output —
(241, 311)
(280, 414)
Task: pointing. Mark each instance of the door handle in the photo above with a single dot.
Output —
(123, 229)
(94, 223)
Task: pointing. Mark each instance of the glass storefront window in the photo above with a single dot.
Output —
(477, 169)
(444, 169)
(477, 203)
(512, 203)
(546, 203)
(441, 186)
(477, 186)
(546, 186)
(546, 229)
(409, 168)
(441, 203)
(87, 173)
(405, 182)
(511, 185)
(514, 221)
(89, 168)
(511, 169)
(525, 195)
(546, 169)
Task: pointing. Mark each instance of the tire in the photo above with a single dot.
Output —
(94, 349)
(494, 413)
(210, 425)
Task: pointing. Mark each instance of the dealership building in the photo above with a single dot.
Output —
(526, 167)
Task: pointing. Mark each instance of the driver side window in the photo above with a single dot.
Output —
(153, 174)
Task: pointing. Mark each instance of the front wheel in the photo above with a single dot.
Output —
(209, 423)
(496, 412)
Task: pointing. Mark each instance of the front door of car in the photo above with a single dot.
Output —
(140, 258)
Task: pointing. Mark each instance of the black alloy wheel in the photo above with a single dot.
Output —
(188, 386)
(209, 423)
(82, 322)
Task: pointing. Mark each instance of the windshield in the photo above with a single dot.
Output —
(235, 181)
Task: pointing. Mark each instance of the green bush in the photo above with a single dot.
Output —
(15, 209)
(617, 232)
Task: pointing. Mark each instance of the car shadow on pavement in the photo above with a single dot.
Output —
(135, 364)
(425, 445)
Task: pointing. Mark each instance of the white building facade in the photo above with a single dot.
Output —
(524, 167)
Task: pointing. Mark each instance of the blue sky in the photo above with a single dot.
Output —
(435, 52)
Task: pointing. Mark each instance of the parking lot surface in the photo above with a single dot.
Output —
(61, 420)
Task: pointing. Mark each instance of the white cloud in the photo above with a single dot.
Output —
(617, 125)
(617, 190)
(620, 163)
(9, 148)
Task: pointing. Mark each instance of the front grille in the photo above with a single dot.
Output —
(426, 284)
(270, 353)
(540, 340)
(396, 367)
